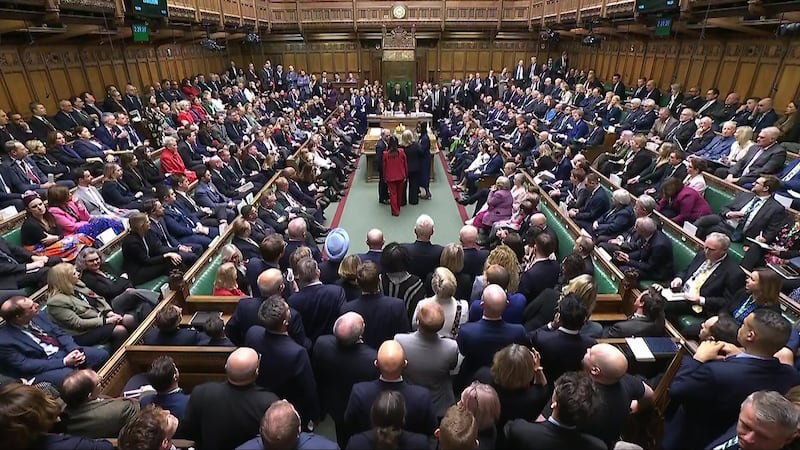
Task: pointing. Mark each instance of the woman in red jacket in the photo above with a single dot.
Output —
(681, 203)
(395, 172)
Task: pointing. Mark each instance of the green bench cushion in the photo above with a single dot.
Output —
(204, 284)
(605, 283)
(717, 198)
(114, 264)
(14, 237)
(736, 250)
(688, 321)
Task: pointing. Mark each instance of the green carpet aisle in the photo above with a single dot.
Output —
(362, 212)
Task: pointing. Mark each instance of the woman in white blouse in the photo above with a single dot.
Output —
(456, 312)
(695, 179)
(744, 140)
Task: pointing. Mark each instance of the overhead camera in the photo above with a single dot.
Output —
(252, 38)
(549, 35)
(592, 41)
(211, 44)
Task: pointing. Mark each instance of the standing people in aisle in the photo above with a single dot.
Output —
(395, 172)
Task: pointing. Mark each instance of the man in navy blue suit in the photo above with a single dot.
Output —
(375, 244)
(710, 386)
(297, 236)
(424, 254)
(168, 331)
(183, 225)
(245, 315)
(385, 316)
(474, 255)
(420, 416)
(543, 271)
(280, 428)
(653, 258)
(317, 303)
(33, 346)
(340, 361)
(595, 206)
(478, 341)
(285, 367)
(492, 167)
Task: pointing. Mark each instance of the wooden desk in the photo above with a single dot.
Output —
(368, 149)
(391, 122)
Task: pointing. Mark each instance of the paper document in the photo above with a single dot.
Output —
(760, 244)
(615, 179)
(689, 228)
(784, 200)
(107, 236)
(8, 212)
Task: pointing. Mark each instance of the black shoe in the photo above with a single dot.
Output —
(383, 202)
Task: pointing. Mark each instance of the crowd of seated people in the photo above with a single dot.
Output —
(363, 356)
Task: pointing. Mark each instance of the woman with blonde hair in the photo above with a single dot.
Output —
(413, 152)
(744, 140)
(347, 277)
(453, 259)
(81, 312)
(226, 283)
(502, 255)
(482, 401)
(517, 376)
(541, 309)
(456, 312)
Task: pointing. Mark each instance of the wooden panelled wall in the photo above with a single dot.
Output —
(49, 73)
(749, 67)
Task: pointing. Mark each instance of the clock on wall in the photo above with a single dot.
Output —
(399, 11)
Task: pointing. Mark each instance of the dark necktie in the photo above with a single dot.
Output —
(42, 336)
(163, 232)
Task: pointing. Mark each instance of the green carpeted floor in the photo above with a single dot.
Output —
(362, 212)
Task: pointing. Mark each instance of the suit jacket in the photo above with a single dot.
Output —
(561, 351)
(521, 434)
(596, 205)
(406, 441)
(100, 418)
(638, 326)
(319, 306)
(287, 371)
(431, 358)
(654, 259)
(19, 179)
(542, 275)
(117, 194)
(221, 415)
(21, 356)
(87, 149)
(11, 271)
(768, 219)
(179, 337)
(76, 316)
(291, 246)
(108, 137)
(615, 221)
(425, 256)
(721, 285)
(338, 367)
(136, 181)
(769, 162)
(420, 416)
(66, 122)
(249, 249)
(245, 316)
(682, 133)
(40, 129)
(474, 259)
(698, 143)
(275, 218)
(143, 263)
(479, 341)
(638, 164)
(385, 315)
(375, 256)
(708, 395)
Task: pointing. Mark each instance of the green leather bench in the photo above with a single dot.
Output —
(114, 262)
(14, 237)
(566, 242)
(204, 284)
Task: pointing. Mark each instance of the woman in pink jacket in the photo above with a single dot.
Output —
(681, 202)
(72, 216)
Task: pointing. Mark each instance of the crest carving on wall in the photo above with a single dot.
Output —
(399, 39)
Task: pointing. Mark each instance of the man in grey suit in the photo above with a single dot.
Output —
(92, 198)
(765, 158)
(430, 357)
(647, 320)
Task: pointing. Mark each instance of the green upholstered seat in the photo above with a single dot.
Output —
(688, 321)
(204, 284)
(736, 250)
(606, 284)
(717, 198)
(114, 263)
(14, 237)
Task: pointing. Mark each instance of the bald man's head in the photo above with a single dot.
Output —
(349, 328)
(270, 282)
(375, 239)
(242, 366)
(538, 219)
(296, 229)
(605, 363)
(468, 236)
(494, 301)
(391, 360)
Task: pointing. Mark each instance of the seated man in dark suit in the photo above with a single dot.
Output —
(226, 414)
(159, 231)
(285, 367)
(169, 332)
(559, 342)
(597, 204)
(317, 303)
(32, 346)
(767, 421)
(245, 315)
(766, 157)
(20, 268)
(543, 272)
(748, 215)
(297, 236)
(424, 253)
(653, 260)
(575, 399)
(647, 318)
(709, 388)
(385, 316)
(420, 415)
(478, 341)
(340, 360)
